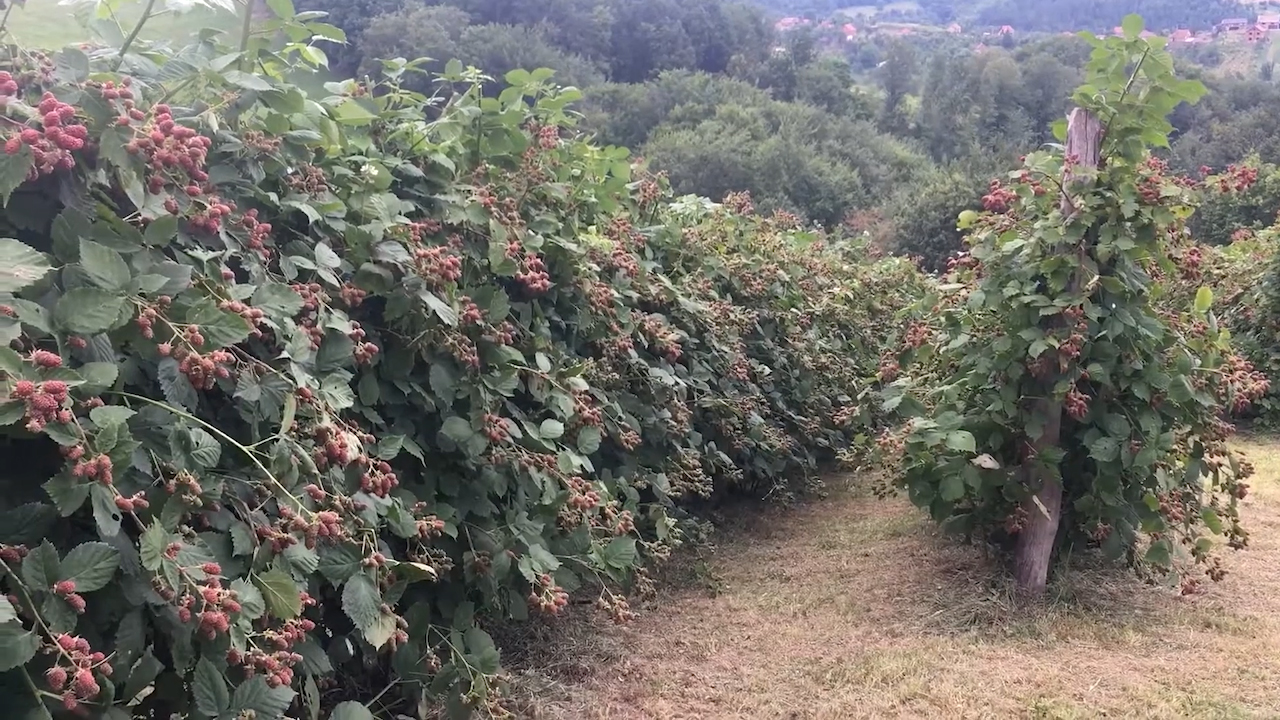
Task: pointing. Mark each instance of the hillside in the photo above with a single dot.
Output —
(1026, 15)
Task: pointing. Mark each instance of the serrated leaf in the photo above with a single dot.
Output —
(326, 257)
(26, 524)
(457, 429)
(90, 565)
(1159, 554)
(589, 438)
(104, 267)
(277, 300)
(14, 170)
(362, 602)
(107, 415)
(177, 389)
(105, 513)
(350, 710)
(17, 646)
(161, 231)
(551, 429)
(961, 441)
(8, 613)
(209, 689)
(152, 545)
(194, 448)
(252, 604)
(951, 487)
(1204, 300)
(20, 265)
(141, 675)
(620, 553)
(280, 592)
(98, 377)
(266, 702)
(1104, 449)
(442, 309)
(339, 562)
(87, 311)
(41, 566)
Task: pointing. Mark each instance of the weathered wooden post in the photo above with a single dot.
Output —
(1034, 549)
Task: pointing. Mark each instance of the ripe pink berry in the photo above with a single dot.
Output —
(56, 677)
(64, 587)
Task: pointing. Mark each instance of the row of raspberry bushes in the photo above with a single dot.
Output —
(298, 391)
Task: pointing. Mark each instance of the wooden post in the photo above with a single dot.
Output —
(1034, 550)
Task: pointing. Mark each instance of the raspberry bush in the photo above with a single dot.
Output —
(298, 391)
(1073, 397)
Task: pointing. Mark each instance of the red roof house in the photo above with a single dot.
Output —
(1254, 34)
(1181, 35)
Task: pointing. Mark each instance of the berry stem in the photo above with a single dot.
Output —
(133, 34)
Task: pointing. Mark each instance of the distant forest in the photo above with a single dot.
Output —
(1031, 15)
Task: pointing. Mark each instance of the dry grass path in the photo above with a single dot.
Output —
(852, 608)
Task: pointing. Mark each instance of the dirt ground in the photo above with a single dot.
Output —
(853, 608)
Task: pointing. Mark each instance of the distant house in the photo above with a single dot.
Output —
(1269, 21)
(790, 23)
(955, 29)
(850, 31)
(1254, 34)
(1181, 35)
(1233, 25)
(980, 48)
(1117, 31)
(1005, 30)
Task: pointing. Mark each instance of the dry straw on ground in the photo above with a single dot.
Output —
(852, 608)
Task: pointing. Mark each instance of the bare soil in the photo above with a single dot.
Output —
(852, 607)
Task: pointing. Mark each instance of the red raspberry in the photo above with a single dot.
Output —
(64, 587)
(56, 677)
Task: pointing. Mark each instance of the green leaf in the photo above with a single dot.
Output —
(1212, 520)
(161, 231)
(209, 689)
(26, 524)
(277, 300)
(20, 265)
(98, 377)
(362, 602)
(266, 702)
(961, 441)
(283, 9)
(589, 440)
(104, 266)
(339, 562)
(109, 415)
(551, 429)
(90, 565)
(194, 448)
(620, 553)
(1132, 25)
(1159, 554)
(141, 675)
(1204, 300)
(951, 488)
(152, 545)
(40, 568)
(105, 513)
(88, 311)
(280, 592)
(1104, 449)
(351, 710)
(246, 80)
(14, 170)
(17, 646)
(8, 613)
(457, 429)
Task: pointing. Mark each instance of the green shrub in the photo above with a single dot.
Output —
(300, 392)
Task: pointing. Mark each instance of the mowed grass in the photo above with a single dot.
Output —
(853, 608)
(47, 24)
